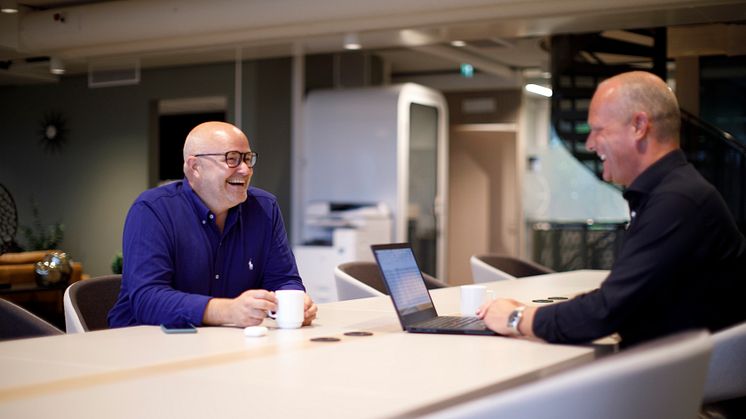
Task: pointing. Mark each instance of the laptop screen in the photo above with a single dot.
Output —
(404, 281)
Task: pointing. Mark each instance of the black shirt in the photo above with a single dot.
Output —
(682, 265)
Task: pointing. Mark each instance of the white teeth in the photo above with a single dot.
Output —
(602, 157)
(235, 182)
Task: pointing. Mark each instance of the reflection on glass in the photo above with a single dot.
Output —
(423, 182)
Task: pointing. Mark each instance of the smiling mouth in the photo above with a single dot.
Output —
(236, 182)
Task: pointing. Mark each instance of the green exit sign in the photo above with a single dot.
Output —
(467, 70)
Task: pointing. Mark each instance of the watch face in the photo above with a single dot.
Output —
(514, 319)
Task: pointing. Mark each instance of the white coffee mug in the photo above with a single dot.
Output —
(289, 314)
(472, 297)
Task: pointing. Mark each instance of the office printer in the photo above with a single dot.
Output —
(335, 233)
(370, 223)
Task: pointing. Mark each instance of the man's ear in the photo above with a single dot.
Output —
(191, 167)
(640, 125)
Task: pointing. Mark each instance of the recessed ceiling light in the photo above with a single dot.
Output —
(351, 42)
(458, 43)
(539, 90)
(56, 66)
(9, 6)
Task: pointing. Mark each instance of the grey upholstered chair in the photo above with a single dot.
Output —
(87, 303)
(16, 322)
(363, 279)
(662, 379)
(492, 267)
(726, 377)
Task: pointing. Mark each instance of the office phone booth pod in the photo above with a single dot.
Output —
(381, 145)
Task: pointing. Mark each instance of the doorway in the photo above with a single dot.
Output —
(176, 118)
(484, 195)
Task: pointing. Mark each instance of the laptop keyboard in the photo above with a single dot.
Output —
(452, 322)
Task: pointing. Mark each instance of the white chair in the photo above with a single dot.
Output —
(363, 279)
(87, 303)
(482, 272)
(350, 288)
(663, 379)
(726, 377)
(491, 267)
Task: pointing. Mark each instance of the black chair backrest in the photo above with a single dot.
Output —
(17, 322)
(514, 266)
(93, 298)
(369, 274)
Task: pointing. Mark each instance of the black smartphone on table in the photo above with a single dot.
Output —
(179, 329)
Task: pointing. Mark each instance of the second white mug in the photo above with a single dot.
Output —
(472, 297)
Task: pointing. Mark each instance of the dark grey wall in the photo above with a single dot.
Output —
(90, 184)
(267, 109)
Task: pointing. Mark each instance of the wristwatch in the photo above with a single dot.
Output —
(514, 319)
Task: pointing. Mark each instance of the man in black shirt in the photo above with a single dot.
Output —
(683, 262)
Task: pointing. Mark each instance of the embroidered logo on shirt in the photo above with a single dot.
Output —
(251, 265)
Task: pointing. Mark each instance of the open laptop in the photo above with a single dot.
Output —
(411, 298)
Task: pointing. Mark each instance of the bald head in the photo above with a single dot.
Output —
(220, 186)
(205, 136)
(208, 136)
(640, 91)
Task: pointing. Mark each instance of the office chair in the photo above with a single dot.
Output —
(16, 322)
(87, 303)
(363, 279)
(350, 287)
(491, 267)
(662, 379)
(726, 377)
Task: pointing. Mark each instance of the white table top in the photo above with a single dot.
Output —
(142, 372)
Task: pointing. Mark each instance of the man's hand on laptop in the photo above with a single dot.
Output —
(497, 313)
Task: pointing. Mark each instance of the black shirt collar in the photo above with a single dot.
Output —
(652, 176)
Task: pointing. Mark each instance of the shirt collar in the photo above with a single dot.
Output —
(201, 209)
(653, 175)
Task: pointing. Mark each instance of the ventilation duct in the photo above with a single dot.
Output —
(113, 73)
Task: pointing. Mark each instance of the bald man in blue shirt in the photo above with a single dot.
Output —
(208, 250)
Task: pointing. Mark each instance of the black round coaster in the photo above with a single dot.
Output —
(325, 339)
(542, 301)
(557, 298)
(358, 334)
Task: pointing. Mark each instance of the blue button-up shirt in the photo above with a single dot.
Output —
(175, 259)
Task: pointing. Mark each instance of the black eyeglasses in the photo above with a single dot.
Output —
(234, 158)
